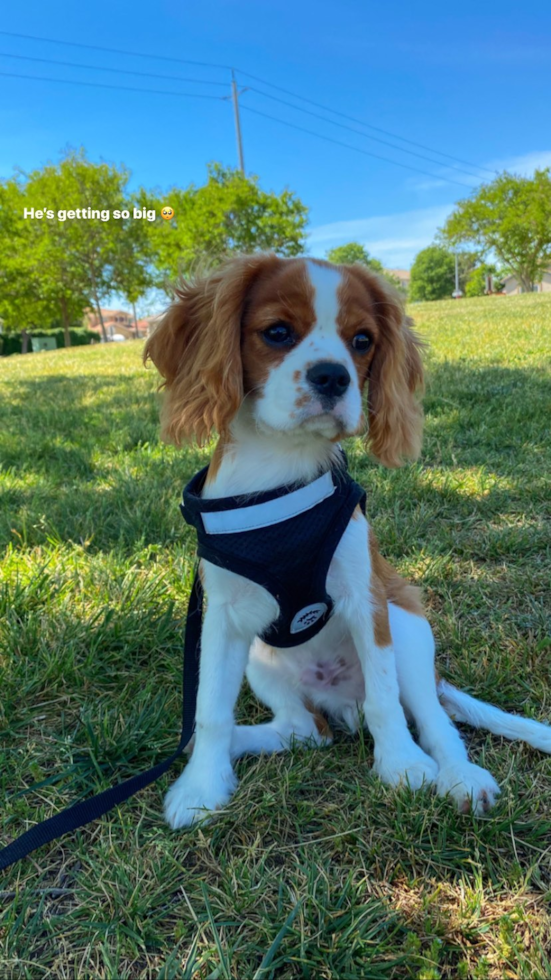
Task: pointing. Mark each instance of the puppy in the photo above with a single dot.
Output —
(278, 356)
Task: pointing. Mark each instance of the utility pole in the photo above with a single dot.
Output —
(457, 294)
(235, 97)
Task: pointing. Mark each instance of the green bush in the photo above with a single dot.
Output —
(432, 274)
(12, 343)
(476, 283)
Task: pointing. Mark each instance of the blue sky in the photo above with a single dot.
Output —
(471, 80)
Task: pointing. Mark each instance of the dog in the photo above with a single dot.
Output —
(278, 356)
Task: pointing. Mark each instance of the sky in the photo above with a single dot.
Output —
(469, 80)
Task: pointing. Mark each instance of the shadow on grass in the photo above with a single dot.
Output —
(84, 463)
(99, 693)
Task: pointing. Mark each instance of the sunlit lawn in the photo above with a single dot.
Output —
(315, 869)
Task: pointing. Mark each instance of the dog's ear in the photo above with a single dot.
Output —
(395, 416)
(197, 349)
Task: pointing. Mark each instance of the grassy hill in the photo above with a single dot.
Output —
(315, 869)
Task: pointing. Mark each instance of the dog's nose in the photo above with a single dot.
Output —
(328, 379)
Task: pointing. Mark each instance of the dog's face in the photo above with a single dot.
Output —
(307, 341)
(293, 343)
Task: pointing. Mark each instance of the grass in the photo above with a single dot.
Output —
(315, 869)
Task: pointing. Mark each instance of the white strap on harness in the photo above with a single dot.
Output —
(272, 511)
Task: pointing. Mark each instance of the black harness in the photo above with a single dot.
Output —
(284, 540)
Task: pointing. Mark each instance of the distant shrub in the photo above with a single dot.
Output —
(12, 343)
(476, 283)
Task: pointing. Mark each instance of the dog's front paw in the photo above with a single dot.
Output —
(411, 766)
(196, 794)
(471, 787)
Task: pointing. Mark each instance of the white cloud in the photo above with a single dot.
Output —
(395, 239)
(525, 164)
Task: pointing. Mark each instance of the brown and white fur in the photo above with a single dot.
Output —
(226, 367)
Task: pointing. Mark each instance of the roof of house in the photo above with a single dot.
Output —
(146, 321)
(400, 273)
(511, 275)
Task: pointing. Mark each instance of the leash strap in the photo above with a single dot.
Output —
(84, 812)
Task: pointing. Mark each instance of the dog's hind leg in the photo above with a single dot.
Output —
(468, 784)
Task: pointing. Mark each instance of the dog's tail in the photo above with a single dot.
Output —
(479, 714)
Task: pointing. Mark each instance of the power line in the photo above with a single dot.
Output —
(98, 47)
(377, 129)
(180, 78)
(351, 129)
(118, 71)
(263, 81)
(121, 88)
(221, 98)
(357, 149)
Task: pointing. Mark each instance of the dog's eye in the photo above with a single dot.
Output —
(361, 343)
(279, 334)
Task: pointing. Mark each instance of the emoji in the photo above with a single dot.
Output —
(167, 213)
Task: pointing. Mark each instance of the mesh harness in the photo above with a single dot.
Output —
(284, 540)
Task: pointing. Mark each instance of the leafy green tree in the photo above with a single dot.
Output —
(432, 274)
(476, 282)
(132, 272)
(511, 217)
(22, 305)
(230, 213)
(76, 256)
(354, 252)
(66, 262)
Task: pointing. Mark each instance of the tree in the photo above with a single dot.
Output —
(74, 257)
(476, 282)
(511, 217)
(432, 274)
(354, 252)
(132, 273)
(22, 305)
(230, 213)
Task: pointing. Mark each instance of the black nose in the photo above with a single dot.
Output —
(328, 379)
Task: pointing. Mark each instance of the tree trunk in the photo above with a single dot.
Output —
(135, 321)
(98, 308)
(96, 297)
(65, 318)
(527, 284)
(100, 314)
(24, 342)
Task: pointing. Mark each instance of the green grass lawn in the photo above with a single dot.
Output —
(315, 869)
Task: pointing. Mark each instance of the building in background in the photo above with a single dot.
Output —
(511, 285)
(119, 323)
(403, 275)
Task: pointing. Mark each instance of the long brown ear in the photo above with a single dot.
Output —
(395, 416)
(197, 349)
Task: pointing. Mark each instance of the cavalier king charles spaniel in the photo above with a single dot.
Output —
(279, 356)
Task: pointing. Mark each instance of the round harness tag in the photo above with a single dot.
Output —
(308, 616)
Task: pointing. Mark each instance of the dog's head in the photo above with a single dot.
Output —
(293, 343)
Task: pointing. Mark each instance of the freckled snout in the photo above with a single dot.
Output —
(328, 380)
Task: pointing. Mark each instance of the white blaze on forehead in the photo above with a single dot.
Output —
(326, 282)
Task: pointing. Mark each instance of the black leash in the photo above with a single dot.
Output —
(82, 813)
